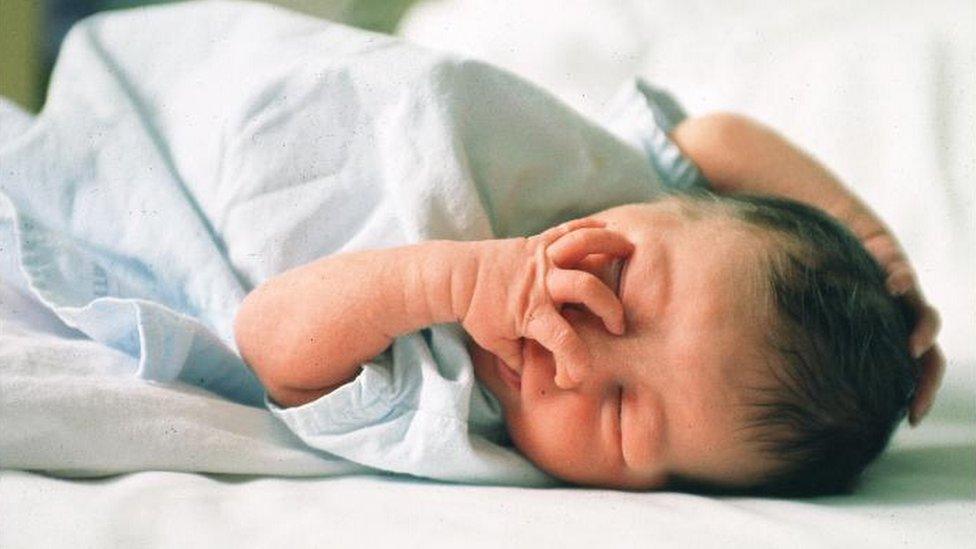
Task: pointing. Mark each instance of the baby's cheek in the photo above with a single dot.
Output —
(557, 436)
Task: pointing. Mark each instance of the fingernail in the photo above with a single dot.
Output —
(899, 287)
(917, 351)
(564, 380)
(614, 327)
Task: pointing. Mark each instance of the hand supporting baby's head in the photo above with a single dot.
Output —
(762, 353)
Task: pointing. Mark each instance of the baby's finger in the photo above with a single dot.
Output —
(557, 232)
(553, 332)
(930, 378)
(510, 352)
(568, 286)
(574, 246)
(582, 222)
(594, 263)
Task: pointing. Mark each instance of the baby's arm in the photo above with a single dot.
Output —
(737, 154)
(307, 331)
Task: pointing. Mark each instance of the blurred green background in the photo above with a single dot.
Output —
(31, 32)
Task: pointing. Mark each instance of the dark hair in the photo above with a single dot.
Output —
(844, 375)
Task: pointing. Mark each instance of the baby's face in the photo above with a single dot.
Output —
(664, 398)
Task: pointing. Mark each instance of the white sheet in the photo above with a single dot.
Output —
(72, 406)
(919, 495)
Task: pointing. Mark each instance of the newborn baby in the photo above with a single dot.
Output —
(735, 343)
(775, 362)
(448, 272)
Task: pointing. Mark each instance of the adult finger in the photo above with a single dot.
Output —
(553, 332)
(574, 246)
(569, 286)
(932, 370)
(925, 332)
(926, 326)
(901, 279)
(884, 248)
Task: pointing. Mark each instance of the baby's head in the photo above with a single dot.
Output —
(763, 355)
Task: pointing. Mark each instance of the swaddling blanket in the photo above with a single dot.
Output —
(187, 153)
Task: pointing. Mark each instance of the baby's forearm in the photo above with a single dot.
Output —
(308, 330)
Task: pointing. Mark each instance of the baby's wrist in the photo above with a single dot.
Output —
(478, 268)
(442, 279)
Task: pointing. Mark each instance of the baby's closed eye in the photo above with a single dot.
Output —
(616, 275)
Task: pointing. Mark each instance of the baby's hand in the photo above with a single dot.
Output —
(523, 282)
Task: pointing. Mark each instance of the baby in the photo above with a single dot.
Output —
(775, 363)
(724, 342)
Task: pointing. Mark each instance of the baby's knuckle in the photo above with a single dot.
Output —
(562, 337)
(586, 284)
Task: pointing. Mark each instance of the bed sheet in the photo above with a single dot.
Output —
(920, 494)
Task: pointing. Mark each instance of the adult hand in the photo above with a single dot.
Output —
(903, 283)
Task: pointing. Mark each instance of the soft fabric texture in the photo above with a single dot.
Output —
(167, 178)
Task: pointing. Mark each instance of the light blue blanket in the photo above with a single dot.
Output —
(187, 153)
